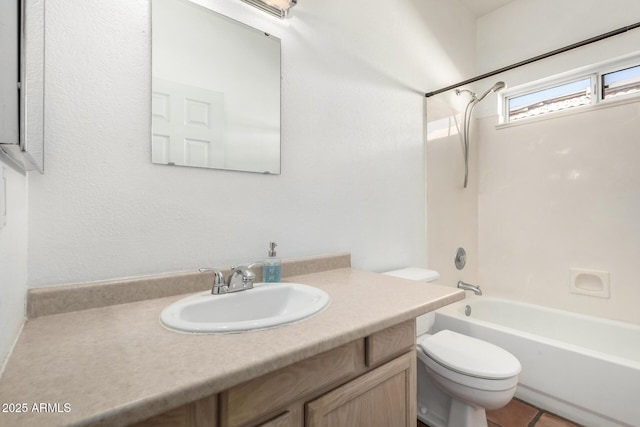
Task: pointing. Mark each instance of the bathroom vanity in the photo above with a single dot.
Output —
(331, 388)
(117, 365)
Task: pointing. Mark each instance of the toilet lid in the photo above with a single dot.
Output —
(470, 356)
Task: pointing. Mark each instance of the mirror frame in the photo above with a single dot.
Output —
(27, 153)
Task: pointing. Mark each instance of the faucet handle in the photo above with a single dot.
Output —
(241, 278)
(245, 270)
(219, 287)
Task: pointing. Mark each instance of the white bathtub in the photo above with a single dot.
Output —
(583, 368)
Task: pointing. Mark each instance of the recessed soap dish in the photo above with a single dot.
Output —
(590, 282)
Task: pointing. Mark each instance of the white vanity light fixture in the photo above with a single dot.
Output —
(279, 8)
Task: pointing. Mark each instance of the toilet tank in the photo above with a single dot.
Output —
(426, 321)
(417, 274)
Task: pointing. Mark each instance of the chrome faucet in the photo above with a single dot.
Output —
(219, 287)
(469, 287)
(240, 279)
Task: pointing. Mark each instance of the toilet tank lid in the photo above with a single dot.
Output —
(414, 273)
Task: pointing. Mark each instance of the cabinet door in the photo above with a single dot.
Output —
(384, 397)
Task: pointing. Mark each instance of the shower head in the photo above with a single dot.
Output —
(496, 87)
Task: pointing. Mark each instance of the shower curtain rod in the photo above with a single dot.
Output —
(538, 58)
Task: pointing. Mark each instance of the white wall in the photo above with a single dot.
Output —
(559, 193)
(352, 178)
(526, 28)
(13, 259)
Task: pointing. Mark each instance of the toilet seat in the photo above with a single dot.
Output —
(469, 356)
(473, 383)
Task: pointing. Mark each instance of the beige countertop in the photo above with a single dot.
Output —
(116, 365)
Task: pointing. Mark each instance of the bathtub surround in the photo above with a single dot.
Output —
(452, 210)
(560, 193)
(557, 195)
(553, 194)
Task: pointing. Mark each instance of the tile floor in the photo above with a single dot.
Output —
(521, 414)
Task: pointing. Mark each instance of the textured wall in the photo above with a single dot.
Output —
(352, 144)
(526, 28)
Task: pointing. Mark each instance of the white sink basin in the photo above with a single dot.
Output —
(267, 305)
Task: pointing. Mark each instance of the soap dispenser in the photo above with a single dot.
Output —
(271, 268)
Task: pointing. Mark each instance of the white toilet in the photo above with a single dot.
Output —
(459, 377)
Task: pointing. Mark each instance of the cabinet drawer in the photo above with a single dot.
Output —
(246, 402)
(390, 342)
(201, 413)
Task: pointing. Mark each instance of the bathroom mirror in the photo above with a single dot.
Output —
(215, 91)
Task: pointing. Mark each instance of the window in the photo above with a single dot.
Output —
(613, 80)
(621, 82)
(548, 100)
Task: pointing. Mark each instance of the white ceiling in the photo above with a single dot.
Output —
(482, 7)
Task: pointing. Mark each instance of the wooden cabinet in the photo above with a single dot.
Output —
(272, 393)
(367, 382)
(201, 413)
(284, 420)
(382, 397)
(389, 343)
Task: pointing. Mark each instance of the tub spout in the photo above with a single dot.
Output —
(466, 286)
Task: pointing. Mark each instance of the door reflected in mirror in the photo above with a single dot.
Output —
(215, 91)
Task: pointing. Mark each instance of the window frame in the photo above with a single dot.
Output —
(594, 72)
(611, 70)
